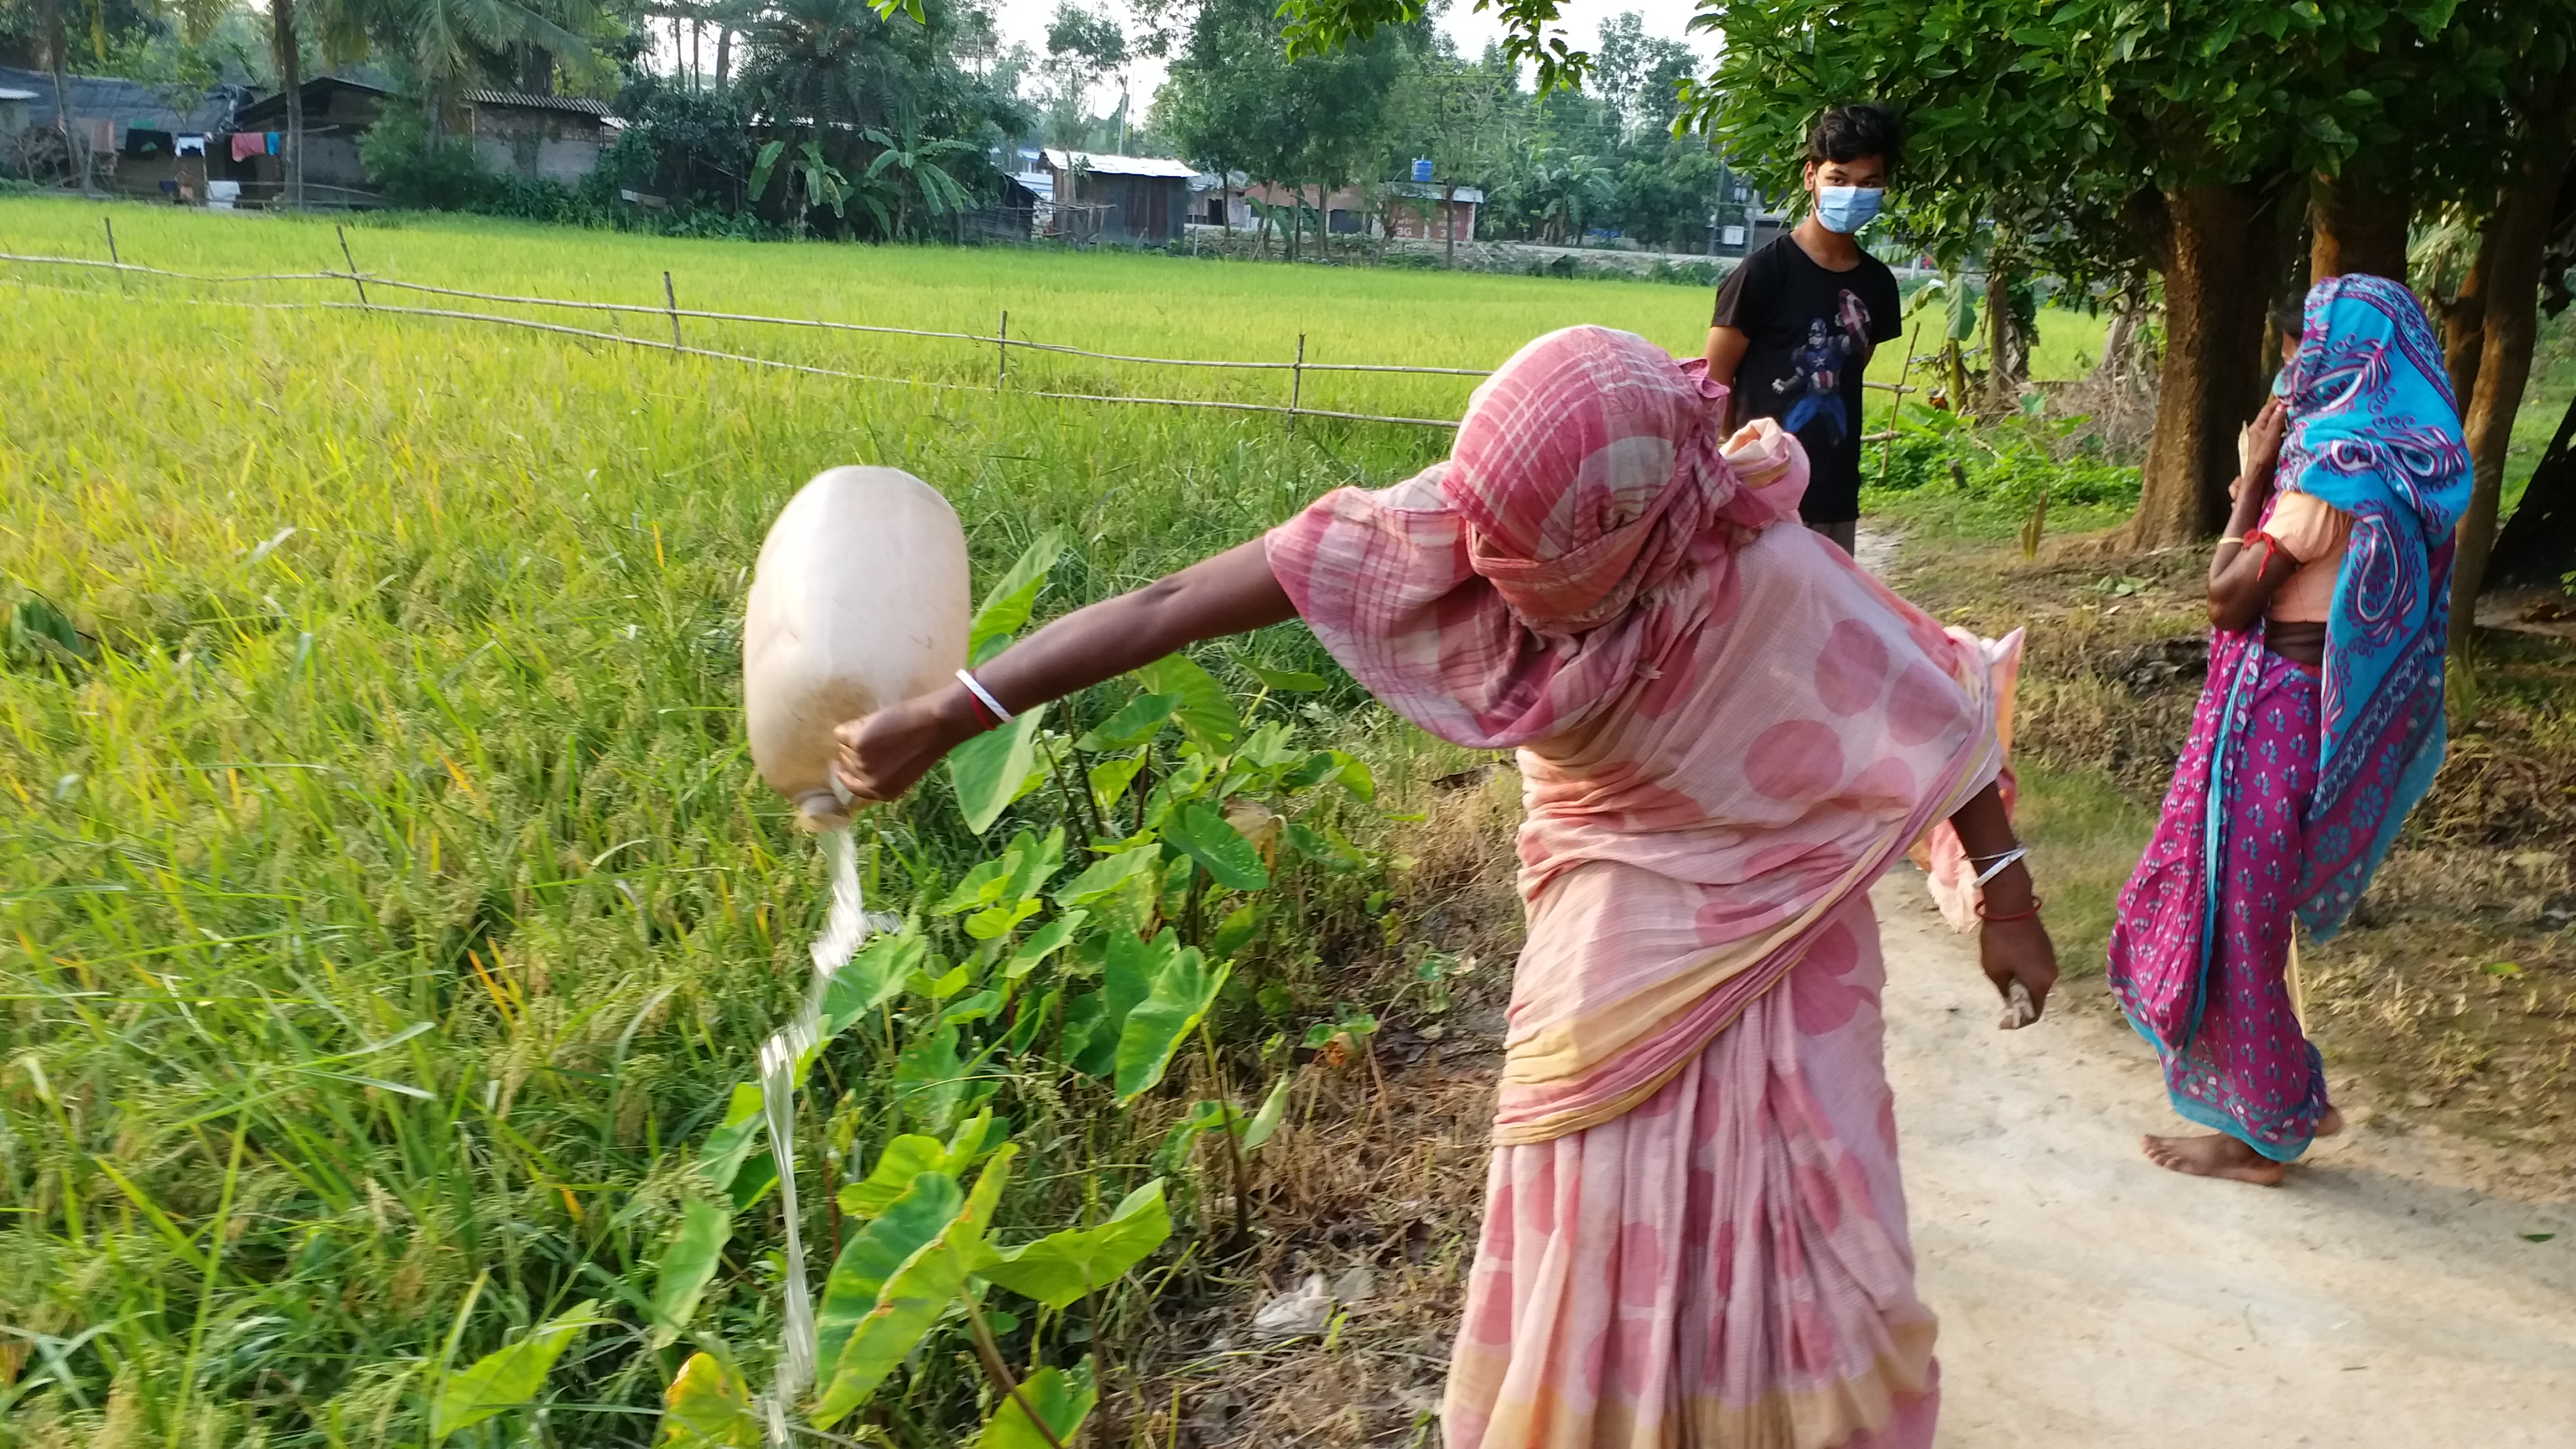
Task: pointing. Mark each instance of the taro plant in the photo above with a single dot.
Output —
(1068, 974)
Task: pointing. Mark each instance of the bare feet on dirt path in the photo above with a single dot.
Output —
(2374, 1299)
(2214, 1154)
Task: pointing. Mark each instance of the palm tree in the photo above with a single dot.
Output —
(914, 160)
(452, 42)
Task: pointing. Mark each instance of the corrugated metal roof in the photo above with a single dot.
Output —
(1121, 165)
(580, 105)
(1040, 182)
(127, 103)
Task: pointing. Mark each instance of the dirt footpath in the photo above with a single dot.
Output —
(2089, 1298)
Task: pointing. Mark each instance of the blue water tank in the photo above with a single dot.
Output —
(1422, 168)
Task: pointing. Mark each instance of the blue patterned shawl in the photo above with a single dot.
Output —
(2375, 431)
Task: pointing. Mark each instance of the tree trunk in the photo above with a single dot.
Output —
(2538, 545)
(57, 39)
(2003, 390)
(290, 80)
(724, 55)
(2464, 322)
(2216, 284)
(2512, 291)
(2360, 217)
(1449, 224)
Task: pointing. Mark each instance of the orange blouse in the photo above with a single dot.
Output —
(2315, 533)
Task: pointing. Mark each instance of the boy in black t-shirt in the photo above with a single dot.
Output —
(1796, 323)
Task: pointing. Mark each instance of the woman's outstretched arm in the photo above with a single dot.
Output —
(882, 755)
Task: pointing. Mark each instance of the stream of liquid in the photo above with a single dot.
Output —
(783, 1060)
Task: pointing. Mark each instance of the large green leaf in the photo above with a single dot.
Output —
(1182, 994)
(1106, 876)
(728, 1145)
(930, 1079)
(1130, 968)
(912, 1295)
(1008, 604)
(1062, 1399)
(1050, 938)
(873, 977)
(1200, 831)
(1266, 1121)
(1138, 720)
(997, 767)
(507, 1378)
(1110, 778)
(860, 1293)
(1090, 1037)
(1286, 681)
(909, 1156)
(1061, 1267)
(1204, 713)
(686, 1266)
(708, 1407)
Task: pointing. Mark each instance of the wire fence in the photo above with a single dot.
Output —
(1000, 340)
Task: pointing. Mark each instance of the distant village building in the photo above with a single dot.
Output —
(548, 138)
(337, 109)
(1098, 197)
(1418, 210)
(140, 144)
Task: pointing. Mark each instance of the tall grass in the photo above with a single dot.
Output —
(390, 903)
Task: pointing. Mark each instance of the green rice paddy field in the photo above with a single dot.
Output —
(386, 900)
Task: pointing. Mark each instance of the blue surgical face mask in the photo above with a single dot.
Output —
(1846, 209)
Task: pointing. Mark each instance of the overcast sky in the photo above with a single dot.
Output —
(1026, 20)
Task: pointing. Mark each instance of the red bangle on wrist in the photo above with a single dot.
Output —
(2035, 904)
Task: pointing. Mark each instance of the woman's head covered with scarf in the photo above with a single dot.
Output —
(2375, 432)
(1509, 592)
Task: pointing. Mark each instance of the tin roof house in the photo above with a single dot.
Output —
(1141, 200)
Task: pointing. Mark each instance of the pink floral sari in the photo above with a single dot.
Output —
(1696, 1232)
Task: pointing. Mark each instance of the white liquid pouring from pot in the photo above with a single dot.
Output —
(782, 1062)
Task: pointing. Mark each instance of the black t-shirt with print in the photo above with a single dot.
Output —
(1811, 332)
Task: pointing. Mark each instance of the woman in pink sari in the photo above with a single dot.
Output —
(1695, 1233)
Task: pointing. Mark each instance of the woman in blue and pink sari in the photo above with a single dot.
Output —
(2319, 729)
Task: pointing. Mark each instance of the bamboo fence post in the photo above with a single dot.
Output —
(112, 257)
(343, 233)
(1896, 409)
(1002, 340)
(671, 304)
(1296, 384)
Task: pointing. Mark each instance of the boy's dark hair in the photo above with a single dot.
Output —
(2290, 316)
(1848, 133)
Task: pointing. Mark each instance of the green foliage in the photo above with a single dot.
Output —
(1062, 1267)
(1948, 477)
(1062, 1399)
(687, 1265)
(509, 1377)
(708, 1406)
(421, 848)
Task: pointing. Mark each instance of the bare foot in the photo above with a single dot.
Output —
(2215, 1155)
(2331, 1123)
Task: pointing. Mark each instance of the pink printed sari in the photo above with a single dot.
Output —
(1695, 1232)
